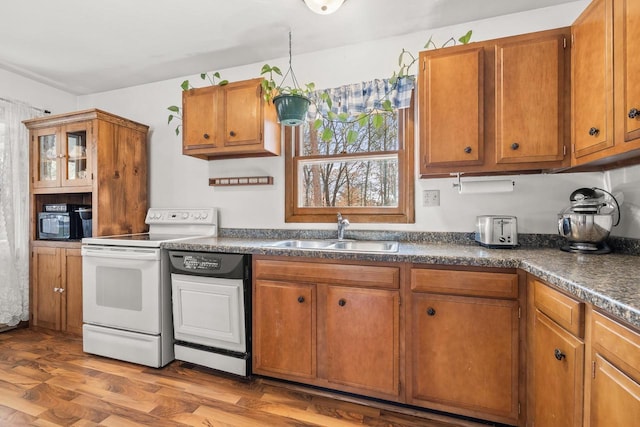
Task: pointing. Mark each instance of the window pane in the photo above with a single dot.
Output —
(352, 136)
(362, 182)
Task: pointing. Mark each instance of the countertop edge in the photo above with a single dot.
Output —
(568, 272)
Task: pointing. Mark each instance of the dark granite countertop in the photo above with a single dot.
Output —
(610, 282)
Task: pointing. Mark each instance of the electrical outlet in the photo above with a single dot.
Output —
(430, 198)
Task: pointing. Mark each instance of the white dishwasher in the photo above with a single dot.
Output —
(211, 299)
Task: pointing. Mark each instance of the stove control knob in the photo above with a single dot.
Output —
(185, 215)
(197, 216)
(204, 215)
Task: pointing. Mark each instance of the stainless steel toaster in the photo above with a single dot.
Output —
(497, 231)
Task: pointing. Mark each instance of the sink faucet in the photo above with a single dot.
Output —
(342, 224)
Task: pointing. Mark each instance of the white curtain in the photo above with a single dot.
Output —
(14, 212)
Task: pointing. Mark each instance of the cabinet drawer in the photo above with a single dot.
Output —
(617, 343)
(562, 309)
(346, 274)
(471, 283)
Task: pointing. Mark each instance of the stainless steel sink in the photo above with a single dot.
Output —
(365, 246)
(303, 244)
(340, 245)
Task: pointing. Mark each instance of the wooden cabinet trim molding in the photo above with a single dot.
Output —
(617, 343)
(470, 283)
(564, 310)
(353, 275)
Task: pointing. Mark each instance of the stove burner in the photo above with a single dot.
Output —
(587, 248)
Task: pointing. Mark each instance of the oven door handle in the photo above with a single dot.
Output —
(123, 253)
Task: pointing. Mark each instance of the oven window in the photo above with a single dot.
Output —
(118, 287)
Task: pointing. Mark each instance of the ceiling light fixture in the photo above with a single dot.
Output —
(323, 7)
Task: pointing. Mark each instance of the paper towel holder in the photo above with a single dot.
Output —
(458, 184)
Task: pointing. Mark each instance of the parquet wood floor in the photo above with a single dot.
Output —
(46, 380)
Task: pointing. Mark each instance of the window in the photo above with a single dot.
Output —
(365, 170)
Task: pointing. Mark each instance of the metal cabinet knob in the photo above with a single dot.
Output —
(634, 113)
(467, 150)
(300, 299)
(559, 355)
(431, 311)
(594, 131)
(232, 133)
(342, 302)
(515, 146)
(205, 136)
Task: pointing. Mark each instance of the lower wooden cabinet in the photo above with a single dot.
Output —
(613, 380)
(557, 352)
(558, 363)
(329, 325)
(464, 343)
(284, 335)
(57, 288)
(362, 342)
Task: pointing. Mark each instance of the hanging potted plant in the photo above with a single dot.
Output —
(291, 102)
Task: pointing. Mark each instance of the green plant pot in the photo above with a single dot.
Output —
(291, 109)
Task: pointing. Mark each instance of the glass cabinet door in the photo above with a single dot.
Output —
(76, 169)
(46, 158)
(62, 156)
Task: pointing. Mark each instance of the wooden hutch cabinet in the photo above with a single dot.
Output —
(91, 158)
(229, 121)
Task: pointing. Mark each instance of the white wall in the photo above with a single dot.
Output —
(18, 88)
(177, 180)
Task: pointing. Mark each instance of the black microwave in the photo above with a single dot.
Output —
(60, 221)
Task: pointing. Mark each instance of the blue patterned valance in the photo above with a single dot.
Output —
(357, 98)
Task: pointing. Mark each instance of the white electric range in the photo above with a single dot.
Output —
(127, 286)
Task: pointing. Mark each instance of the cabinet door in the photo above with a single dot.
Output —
(558, 360)
(201, 125)
(243, 117)
(76, 155)
(362, 338)
(530, 100)
(284, 329)
(615, 397)
(451, 108)
(46, 279)
(630, 67)
(46, 153)
(592, 80)
(465, 354)
(71, 292)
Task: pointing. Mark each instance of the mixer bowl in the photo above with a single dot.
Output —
(585, 228)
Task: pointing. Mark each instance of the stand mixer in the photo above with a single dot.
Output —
(586, 224)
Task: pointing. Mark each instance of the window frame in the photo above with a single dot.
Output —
(404, 213)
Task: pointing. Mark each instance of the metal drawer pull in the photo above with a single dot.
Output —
(559, 354)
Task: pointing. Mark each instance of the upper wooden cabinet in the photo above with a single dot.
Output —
(229, 121)
(495, 106)
(606, 93)
(451, 93)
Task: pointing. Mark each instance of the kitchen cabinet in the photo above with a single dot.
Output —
(61, 157)
(229, 121)
(463, 343)
(556, 367)
(88, 157)
(606, 96)
(284, 336)
(498, 106)
(613, 380)
(57, 289)
(334, 325)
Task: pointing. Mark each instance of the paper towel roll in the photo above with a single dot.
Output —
(495, 186)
